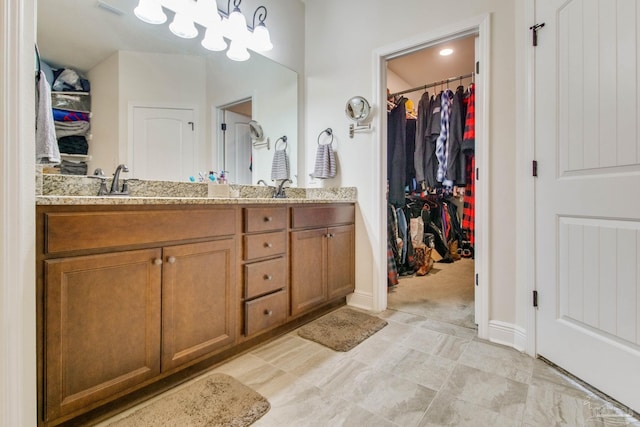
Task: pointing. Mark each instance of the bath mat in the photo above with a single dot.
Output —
(342, 329)
(215, 400)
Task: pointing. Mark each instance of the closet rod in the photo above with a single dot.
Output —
(425, 87)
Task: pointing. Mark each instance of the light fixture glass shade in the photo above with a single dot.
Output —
(237, 26)
(238, 51)
(213, 40)
(150, 11)
(183, 26)
(260, 39)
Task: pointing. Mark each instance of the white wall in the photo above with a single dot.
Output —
(340, 40)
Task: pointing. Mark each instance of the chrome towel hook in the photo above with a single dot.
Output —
(329, 132)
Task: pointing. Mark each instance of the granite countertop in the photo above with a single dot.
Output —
(127, 200)
(81, 190)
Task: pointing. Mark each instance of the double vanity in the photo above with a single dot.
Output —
(138, 293)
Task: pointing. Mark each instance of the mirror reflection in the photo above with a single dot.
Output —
(165, 106)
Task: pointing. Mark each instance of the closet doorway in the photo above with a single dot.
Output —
(236, 150)
(430, 171)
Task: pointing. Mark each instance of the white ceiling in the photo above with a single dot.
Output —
(428, 66)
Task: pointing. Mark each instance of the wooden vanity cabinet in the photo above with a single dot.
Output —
(265, 290)
(322, 255)
(119, 312)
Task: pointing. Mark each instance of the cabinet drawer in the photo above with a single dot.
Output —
(103, 229)
(263, 313)
(265, 219)
(263, 277)
(322, 216)
(264, 245)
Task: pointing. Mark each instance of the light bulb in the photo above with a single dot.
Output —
(182, 26)
(261, 40)
(213, 40)
(238, 51)
(150, 11)
(237, 25)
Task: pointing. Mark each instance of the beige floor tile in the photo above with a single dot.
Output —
(499, 360)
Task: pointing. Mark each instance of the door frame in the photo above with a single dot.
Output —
(217, 119)
(481, 26)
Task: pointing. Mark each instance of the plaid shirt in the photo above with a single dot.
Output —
(469, 137)
(468, 211)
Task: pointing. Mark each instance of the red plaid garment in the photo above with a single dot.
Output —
(468, 211)
(470, 120)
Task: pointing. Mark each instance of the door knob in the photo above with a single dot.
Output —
(268, 312)
(267, 277)
(268, 218)
(268, 245)
(157, 261)
(171, 259)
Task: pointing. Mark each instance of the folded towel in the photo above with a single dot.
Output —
(325, 162)
(69, 116)
(75, 144)
(46, 144)
(80, 127)
(280, 165)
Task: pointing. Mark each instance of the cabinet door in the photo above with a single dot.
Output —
(102, 327)
(198, 295)
(308, 269)
(341, 261)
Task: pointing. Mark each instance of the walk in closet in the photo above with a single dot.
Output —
(430, 181)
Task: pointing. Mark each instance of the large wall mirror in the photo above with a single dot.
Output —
(158, 101)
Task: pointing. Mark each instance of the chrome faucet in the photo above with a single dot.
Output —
(262, 181)
(279, 194)
(115, 185)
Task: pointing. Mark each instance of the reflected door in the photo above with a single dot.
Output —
(164, 144)
(238, 153)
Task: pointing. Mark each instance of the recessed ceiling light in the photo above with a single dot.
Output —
(446, 52)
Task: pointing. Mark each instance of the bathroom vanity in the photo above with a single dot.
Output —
(134, 295)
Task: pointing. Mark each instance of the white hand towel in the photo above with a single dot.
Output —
(46, 143)
(325, 162)
(280, 165)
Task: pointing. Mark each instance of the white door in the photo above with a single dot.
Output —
(238, 149)
(588, 191)
(164, 144)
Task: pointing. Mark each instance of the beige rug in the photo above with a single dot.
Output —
(342, 329)
(215, 400)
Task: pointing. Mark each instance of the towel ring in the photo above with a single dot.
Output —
(283, 139)
(329, 132)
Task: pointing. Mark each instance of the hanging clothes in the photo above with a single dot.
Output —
(441, 149)
(455, 172)
(396, 153)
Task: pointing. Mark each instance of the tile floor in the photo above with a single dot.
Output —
(416, 371)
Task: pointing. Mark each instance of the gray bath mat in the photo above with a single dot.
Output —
(215, 400)
(342, 329)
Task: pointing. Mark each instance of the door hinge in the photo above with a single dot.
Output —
(534, 31)
(476, 279)
(535, 299)
(477, 67)
(477, 174)
(534, 168)
(223, 126)
(191, 124)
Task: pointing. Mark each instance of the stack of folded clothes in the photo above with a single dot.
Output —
(71, 103)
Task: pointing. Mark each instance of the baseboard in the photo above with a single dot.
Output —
(507, 334)
(360, 300)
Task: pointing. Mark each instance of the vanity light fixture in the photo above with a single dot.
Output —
(219, 24)
(446, 52)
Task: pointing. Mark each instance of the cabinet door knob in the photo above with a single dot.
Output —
(171, 259)
(157, 261)
(268, 312)
(267, 277)
(268, 245)
(268, 218)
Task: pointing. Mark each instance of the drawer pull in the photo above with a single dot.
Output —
(268, 312)
(268, 218)
(171, 259)
(268, 245)
(157, 261)
(267, 277)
